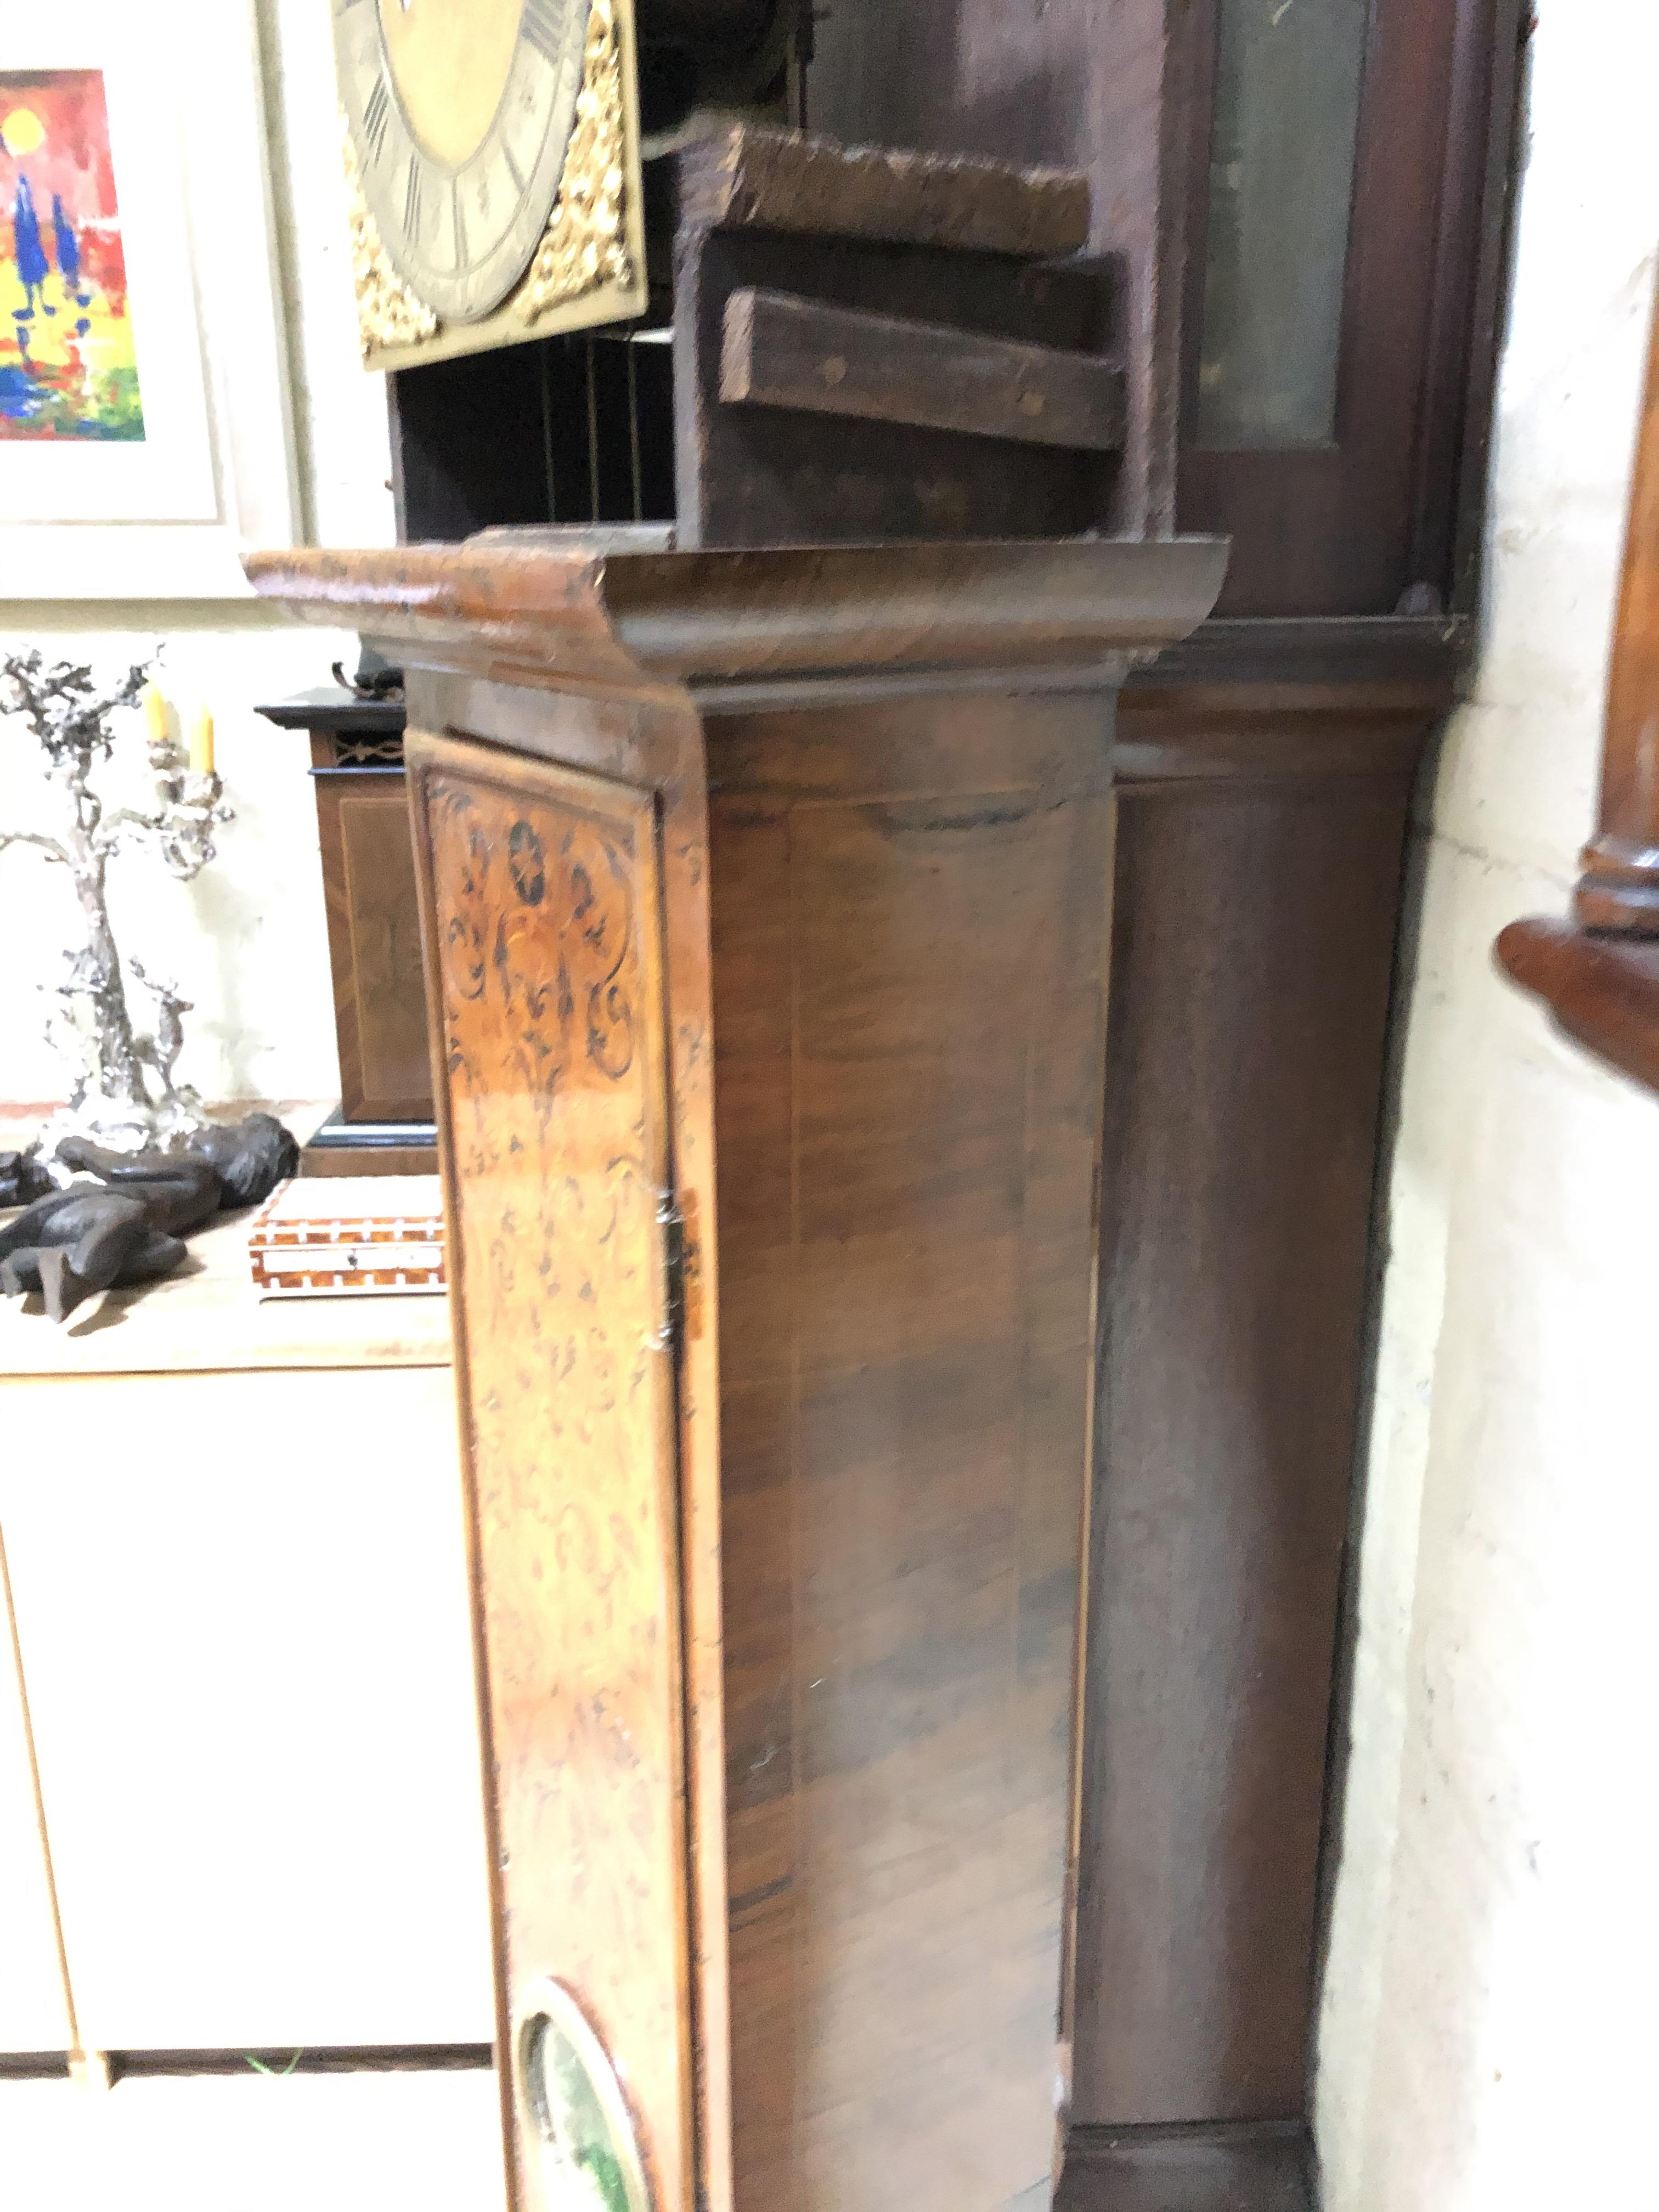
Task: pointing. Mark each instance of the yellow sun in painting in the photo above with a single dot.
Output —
(22, 132)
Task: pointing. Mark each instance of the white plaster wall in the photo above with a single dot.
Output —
(1488, 2038)
(246, 941)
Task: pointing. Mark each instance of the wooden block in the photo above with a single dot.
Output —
(782, 350)
(1235, 1184)
(787, 180)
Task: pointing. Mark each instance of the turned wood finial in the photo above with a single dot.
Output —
(1619, 887)
(1599, 972)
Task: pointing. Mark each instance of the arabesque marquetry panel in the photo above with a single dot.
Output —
(543, 909)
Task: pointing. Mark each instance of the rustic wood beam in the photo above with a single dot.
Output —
(781, 350)
(785, 181)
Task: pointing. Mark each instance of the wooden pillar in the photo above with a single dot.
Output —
(1263, 787)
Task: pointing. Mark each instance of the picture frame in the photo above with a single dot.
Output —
(200, 465)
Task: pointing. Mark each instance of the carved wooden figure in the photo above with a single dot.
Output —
(765, 903)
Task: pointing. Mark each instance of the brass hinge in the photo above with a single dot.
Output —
(676, 1244)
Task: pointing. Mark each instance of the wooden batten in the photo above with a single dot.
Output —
(790, 181)
(781, 350)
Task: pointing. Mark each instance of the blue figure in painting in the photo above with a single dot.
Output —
(69, 252)
(31, 254)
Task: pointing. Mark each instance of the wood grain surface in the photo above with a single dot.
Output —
(780, 350)
(1253, 947)
(557, 604)
(1262, 2167)
(784, 180)
(1102, 91)
(545, 916)
(375, 948)
(908, 931)
(1123, 95)
(756, 476)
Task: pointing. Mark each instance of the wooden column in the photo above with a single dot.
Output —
(1263, 773)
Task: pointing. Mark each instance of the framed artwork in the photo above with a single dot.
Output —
(145, 435)
(67, 362)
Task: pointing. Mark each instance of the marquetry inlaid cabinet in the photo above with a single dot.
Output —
(766, 902)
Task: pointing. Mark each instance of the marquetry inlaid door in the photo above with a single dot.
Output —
(542, 899)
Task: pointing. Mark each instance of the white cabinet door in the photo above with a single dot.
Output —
(32, 2011)
(242, 1607)
(344, 2142)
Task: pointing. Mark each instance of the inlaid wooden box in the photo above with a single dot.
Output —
(336, 1236)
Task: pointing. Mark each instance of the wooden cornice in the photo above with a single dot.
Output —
(620, 609)
(1599, 972)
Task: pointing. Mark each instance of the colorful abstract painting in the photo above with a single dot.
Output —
(67, 365)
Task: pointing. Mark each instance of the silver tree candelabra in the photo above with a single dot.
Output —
(122, 1091)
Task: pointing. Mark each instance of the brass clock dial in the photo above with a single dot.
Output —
(460, 111)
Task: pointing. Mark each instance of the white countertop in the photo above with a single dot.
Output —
(207, 1317)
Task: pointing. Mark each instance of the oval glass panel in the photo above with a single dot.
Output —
(582, 2140)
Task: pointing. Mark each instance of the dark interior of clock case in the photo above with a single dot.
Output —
(575, 429)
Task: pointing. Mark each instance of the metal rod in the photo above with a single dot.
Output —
(634, 432)
(592, 436)
(547, 435)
